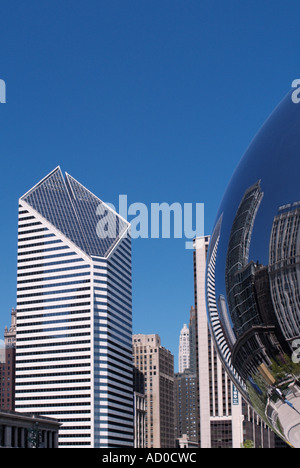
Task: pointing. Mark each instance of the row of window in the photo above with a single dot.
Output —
(57, 389)
(53, 314)
(39, 244)
(54, 351)
(55, 270)
(37, 251)
(53, 299)
(51, 278)
(54, 285)
(47, 337)
(59, 262)
(53, 329)
(52, 382)
(61, 306)
(60, 291)
(33, 258)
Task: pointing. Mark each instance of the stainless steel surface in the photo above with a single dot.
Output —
(253, 273)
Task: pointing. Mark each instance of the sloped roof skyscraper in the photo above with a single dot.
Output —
(74, 314)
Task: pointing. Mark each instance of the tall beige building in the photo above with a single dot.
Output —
(226, 420)
(184, 349)
(220, 406)
(154, 364)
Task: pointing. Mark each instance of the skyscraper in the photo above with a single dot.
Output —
(185, 392)
(74, 314)
(184, 349)
(219, 404)
(154, 368)
(7, 367)
(226, 420)
(186, 408)
(255, 338)
(284, 269)
(193, 340)
(239, 274)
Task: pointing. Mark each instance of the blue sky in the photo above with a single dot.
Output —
(157, 100)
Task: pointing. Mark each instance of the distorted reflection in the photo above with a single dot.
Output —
(253, 274)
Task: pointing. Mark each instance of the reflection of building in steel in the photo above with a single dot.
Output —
(259, 339)
(218, 331)
(215, 323)
(226, 322)
(225, 419)
(239, 273)
(284, 269)
(266, 309)
(256, 346)
(245, 242)
(262, 343)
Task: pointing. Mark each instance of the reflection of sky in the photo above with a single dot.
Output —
(273, 158)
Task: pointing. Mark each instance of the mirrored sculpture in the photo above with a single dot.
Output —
(253, 274)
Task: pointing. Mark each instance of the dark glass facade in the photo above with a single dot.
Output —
(77, 213)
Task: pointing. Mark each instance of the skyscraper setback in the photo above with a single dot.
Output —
(74, 314)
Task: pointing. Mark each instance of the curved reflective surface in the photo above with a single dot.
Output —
(253, 274)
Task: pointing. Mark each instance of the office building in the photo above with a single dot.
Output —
(284, 270)
(239, 274)
(184, 349)
(186, 408)
(186, 393)
(139, 420)
(249, 323)
(226, 420)
(154, 367)
(7, 367)
(74, 314)
(193, 340)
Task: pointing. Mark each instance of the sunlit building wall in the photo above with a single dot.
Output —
(74, 314)
(184, 349)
